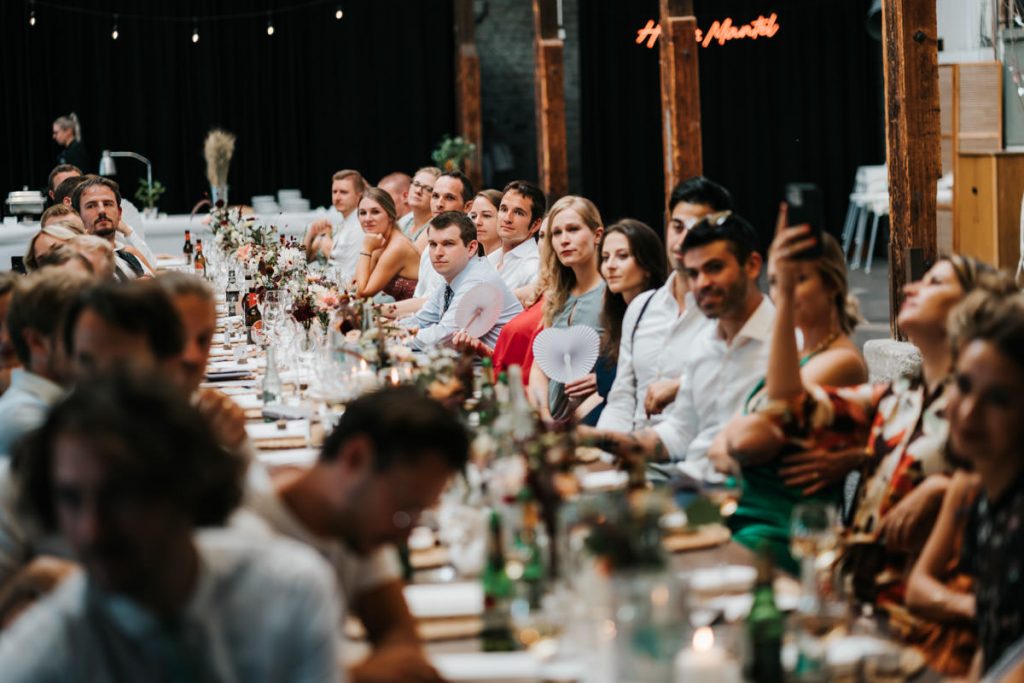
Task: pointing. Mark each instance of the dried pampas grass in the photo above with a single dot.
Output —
(218, 148)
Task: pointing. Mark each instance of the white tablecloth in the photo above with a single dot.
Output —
(165, 235)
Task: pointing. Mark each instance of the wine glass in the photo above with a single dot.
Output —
(813, 539)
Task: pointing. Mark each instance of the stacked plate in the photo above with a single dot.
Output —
(264, 203)
(291, 201)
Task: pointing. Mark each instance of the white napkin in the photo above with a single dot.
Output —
(301, 457)
(269, 430)
(438, 600)
(248, 401)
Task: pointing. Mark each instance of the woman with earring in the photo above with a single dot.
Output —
(388, 261)
(575, 296)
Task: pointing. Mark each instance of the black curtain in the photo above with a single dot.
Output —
(374, 91)
(805, 105)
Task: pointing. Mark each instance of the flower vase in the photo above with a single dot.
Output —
(219, 194)
(309, 339)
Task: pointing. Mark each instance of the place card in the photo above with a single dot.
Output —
(278, 430)
(445, 600)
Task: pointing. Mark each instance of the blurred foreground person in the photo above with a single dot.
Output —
(127, 472)
(390, 457)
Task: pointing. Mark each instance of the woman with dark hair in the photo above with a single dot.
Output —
(67, 132)
(388, 262)
(632, 262)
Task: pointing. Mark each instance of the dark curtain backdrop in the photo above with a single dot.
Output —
(803, 106)
(374, 91)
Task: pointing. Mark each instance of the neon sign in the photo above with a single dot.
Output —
(720, 32)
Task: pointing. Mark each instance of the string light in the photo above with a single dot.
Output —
(195, 33)
(32, 13)
(270, 26)
(114, 34)
(339, 13)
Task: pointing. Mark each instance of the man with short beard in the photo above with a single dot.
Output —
(98, 202)
(727, 360)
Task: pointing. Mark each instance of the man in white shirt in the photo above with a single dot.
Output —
(453, 250)
(37, 309)
(728, 359)
(519, 216)
(390, 457)
(127, 471)
(647, 378)
(453, 191)
(340, 236)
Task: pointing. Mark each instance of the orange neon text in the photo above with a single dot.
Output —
(719, 32)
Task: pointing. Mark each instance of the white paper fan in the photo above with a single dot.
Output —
(479, 309)
(566, 354)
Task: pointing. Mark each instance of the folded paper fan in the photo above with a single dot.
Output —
(567, 354)
(479, 309)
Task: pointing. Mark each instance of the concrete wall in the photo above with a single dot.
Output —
(504, 39)
(965, 27)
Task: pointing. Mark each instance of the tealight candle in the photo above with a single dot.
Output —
(704, 662)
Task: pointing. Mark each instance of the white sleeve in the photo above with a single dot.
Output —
(15, 547)
(135, 240)
(681, 423)
(622, 400)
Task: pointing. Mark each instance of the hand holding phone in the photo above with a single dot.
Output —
(806, 208)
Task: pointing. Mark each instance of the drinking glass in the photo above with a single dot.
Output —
(813, 538)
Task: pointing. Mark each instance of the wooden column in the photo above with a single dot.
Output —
(467, 86)
(680, 93)
(912, 126)
(549, 80)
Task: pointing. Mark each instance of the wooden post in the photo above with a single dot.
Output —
(912, 126)
(467, 88)
(680, 93)
(549, 79)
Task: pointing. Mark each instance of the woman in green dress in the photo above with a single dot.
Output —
(811, 295)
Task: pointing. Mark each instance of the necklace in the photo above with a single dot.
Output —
(824, 344)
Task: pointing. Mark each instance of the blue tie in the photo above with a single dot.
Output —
(448, 294)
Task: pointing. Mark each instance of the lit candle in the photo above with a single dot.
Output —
(704, 662)
(365, 379)
(394, 377)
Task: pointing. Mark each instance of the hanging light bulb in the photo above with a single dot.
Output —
(114, 34)
(339, 13)
(195, 33)
(32, 13)
(270, 26)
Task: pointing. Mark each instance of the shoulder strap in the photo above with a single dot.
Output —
(643, 309)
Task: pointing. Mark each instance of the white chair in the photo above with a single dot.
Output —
(870, 190)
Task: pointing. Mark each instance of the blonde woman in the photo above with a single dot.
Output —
(574, 296)
(52, 235)
(388, 261)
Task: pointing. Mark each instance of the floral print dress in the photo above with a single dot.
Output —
(904, 432)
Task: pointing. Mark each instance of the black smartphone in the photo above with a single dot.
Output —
(18, 264)
(805, 207)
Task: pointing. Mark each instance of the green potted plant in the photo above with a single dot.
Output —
(452, 153)
(148, 195)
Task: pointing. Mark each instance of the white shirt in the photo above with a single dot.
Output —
(716, 380)
(24, 406)
(653, 347)
(355, 574)
(430, 280)
(518, 267)
(437, 325)
(347, 242)
(263, 610)
(20, 538)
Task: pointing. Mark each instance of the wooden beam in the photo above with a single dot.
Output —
(680, 93)
(913, 156)
(467, 88)
(549, 89)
